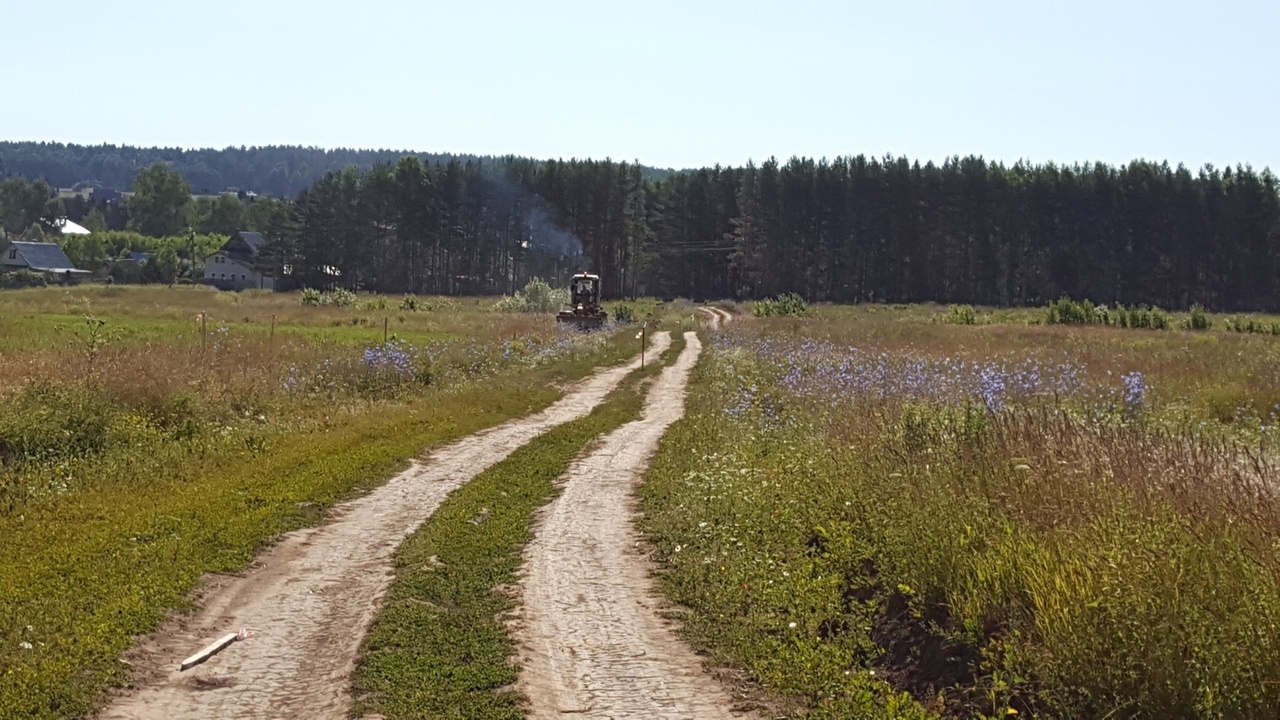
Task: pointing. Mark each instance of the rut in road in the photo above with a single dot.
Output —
(719, 318)
(590, 641)
(311, 598)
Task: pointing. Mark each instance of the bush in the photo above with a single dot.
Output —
(1066, 311)
(960, 315)
(1252, 326)
(789, 304)
(50, 422)
(23, 279)
(377, 303)
(1197, 319)
(409, 303)
(624, 313)
(536, 297)
(337, 297)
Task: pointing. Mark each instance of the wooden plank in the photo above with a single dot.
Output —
(209, 651)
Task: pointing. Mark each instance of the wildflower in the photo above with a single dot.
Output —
(1135, 392)
(25, 645)
(791, 625)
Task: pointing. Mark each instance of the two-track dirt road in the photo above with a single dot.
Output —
(591, 643)
(718, 318)
(311, 598)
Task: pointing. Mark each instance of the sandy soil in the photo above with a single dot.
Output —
(591, 643)
(311, 597)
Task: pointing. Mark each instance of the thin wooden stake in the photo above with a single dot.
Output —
(209, 651)
(384, 331)
(204, 332)
(271, 340)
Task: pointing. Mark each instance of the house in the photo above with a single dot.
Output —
(233, 267)
(39, 257)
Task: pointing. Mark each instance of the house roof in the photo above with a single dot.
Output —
(43, 257)
(66, 227)
(252, 239)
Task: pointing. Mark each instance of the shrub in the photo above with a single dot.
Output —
(536, 297)
(1197, 319)
(960, 315)
(409, 303)
(338, 297)
(377, 303)
(23, 279)
(1252, 326)
(624, 313)
(1065, 311)
(51, 422)
(789, 304)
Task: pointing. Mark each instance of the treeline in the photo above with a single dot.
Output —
(853, 229)
(279, 170)
(162, 204)
(850, 230)
(970, 231)
(473, 227)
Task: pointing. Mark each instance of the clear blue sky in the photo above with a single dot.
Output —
(671, 83)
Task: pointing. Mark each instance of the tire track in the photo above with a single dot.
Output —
(719, 318)
(311, 598)
(591, 643)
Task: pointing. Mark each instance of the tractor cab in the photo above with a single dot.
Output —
(584, 310)
(584, 291)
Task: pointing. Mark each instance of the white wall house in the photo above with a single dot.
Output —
(232, 267)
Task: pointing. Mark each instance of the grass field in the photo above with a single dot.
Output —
(873, 511)
(877, 514)
(137, 453)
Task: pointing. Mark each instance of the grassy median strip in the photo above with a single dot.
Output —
(84, 573)
(439, 647)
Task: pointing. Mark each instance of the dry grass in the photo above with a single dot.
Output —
(137, 452)
(1072, 550)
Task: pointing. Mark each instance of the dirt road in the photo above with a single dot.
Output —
(719, 318)
(311, 597)
(591, 643)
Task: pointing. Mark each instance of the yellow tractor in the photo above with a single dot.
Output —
(584, 311)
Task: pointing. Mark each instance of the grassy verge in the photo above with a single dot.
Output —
(439, 647)
(867, 545)
(732, 524)
(85, 572)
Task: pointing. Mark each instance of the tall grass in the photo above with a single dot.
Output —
(1045, 520)
(140, 448)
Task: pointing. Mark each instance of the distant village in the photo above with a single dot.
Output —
(85, 233)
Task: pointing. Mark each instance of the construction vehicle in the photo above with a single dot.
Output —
(584, 311)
